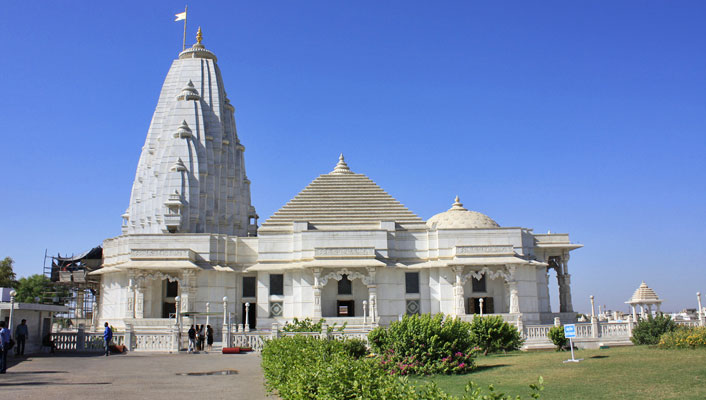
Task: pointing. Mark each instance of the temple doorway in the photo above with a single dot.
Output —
(171, 291)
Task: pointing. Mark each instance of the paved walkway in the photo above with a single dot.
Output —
(134, 376)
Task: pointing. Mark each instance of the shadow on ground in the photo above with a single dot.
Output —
(480, 368)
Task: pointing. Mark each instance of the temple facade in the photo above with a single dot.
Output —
(343, 249)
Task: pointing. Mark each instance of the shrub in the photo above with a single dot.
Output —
(424, 344)
(648, 331)
(556, 334)
(684, 338)
(356, 348)
(307, 368)
(492, 334)
(308, 325)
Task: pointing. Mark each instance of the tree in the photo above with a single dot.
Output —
(7, 275)
(40, 286)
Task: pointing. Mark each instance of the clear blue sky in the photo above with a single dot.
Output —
(580, 117)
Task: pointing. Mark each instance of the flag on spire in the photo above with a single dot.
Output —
(180, 16)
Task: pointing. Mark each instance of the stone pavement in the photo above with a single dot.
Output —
(133, 376)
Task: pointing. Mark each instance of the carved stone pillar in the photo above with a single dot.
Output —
(568, 305)
(372, 300)
(317, 292)
(80, 298)
(459, 307)
(514, 298)
(224, 330)
(372, 294)
(188, 291)
(140, 299)
(130, 306)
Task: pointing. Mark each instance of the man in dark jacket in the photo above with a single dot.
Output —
(107, 337)
(21, 334)
(192, 339)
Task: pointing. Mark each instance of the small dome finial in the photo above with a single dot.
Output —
(457, 205)
(341, 167)
(199, 36)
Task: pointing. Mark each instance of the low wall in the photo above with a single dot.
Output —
(588, 335)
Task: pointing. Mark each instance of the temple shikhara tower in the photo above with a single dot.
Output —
(342, 249)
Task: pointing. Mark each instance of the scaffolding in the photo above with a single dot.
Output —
(73, 286)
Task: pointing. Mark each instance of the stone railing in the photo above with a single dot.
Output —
(155, 341)
(691, 323)
(584, 330)
(253, 340)
(616, 329)
(537, 332)
(82, 341)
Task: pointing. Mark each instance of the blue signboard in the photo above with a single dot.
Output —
(570, 331)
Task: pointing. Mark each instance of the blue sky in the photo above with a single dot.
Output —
(580, 117)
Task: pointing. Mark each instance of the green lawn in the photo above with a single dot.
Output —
(636, 372)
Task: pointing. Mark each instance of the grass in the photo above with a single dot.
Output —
(638, 372)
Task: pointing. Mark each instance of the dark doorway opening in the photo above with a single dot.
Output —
(345, 308)
(474, 305)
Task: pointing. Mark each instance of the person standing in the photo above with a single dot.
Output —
(192, 339)
(209, 337)
(5, 337)
(202, 337)
(21, 335)
(107, 337)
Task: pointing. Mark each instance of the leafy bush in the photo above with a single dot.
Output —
(556, 334)
(307, 368)
(684, 338)
(356, 348)
(308, 325)
(424, 344)
(648, 331)
(492, 334)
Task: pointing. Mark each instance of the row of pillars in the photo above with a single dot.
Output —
(459, 294)
(136, 294)
(226, 328)
(700, 311)
(370, 308)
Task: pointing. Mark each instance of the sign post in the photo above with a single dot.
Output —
(570, 333)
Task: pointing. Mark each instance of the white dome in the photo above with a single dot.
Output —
(458, 217)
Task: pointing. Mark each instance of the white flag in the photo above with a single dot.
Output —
(180, 16)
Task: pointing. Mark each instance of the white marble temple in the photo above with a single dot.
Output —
(342, 249)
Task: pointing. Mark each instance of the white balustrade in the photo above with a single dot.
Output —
(617, 329)
(688, 323)
(540, 332)
(584, 330)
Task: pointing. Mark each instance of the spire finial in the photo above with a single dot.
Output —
(457, 205)
(341, 167)
(199, 36)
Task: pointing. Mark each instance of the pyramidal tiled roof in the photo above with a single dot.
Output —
(644, 294)
(344, 197)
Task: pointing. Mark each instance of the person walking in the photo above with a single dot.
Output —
(192, 339)
(209, 337)
(21, 334)
(5, 337)
(107, 337)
